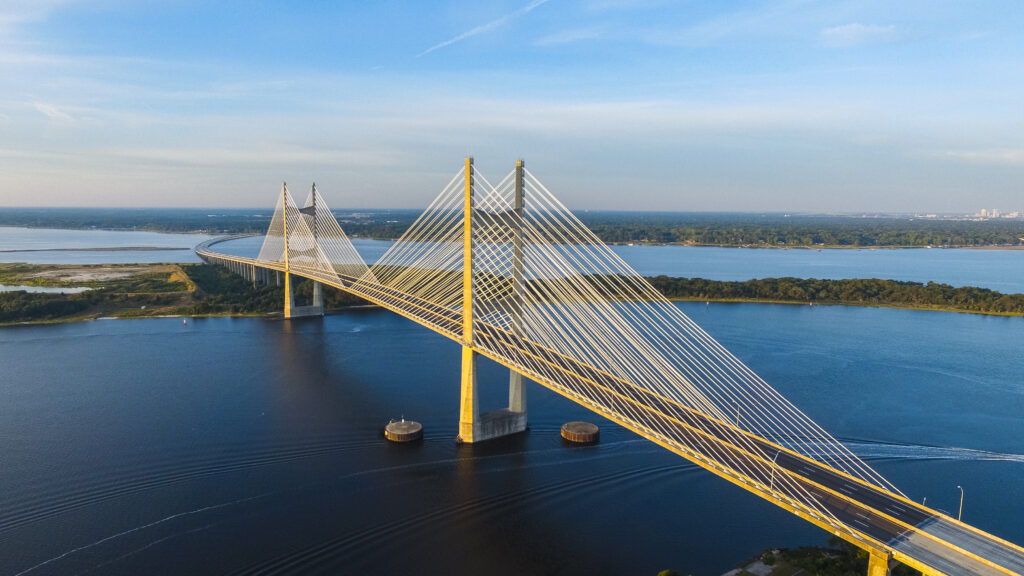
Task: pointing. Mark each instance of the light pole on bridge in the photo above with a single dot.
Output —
(960, 513)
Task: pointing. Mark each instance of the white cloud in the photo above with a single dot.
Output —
(485, 27)
(992, 156)
(856, 34)
(258, 154)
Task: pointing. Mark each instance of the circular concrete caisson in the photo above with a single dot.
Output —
(581, 432)
(403, 431)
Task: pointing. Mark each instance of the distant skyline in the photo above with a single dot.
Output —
(797, 106)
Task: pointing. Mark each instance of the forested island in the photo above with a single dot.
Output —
(687, 228)
(807, 231)
(855, 292)
(135, 290)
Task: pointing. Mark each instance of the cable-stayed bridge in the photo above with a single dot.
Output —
(506, 271)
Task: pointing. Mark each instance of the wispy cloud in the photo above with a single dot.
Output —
(52, 112)
(485, 27)
(569, 36)
(856, 34)
(623, 5)
(16, 13)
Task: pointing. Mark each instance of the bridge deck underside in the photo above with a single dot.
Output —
(862, 513)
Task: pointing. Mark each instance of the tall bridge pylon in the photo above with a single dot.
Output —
(475, 426)
(507, 272)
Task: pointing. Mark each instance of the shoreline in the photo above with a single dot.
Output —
(173, 290)
(111, 249)
(817, 247)
(335, 311)
(851, 304)
(91, 318)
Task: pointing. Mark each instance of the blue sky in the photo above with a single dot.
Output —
(644, 104)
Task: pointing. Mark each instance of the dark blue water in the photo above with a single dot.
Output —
(248, 445)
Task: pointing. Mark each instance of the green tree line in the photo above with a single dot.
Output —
(803, 231)
(710, 229)
(867, 291)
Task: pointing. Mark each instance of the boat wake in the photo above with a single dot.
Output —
(881, 450)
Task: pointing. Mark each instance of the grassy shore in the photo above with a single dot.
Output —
(141, 290)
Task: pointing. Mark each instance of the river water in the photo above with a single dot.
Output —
(235, 446)
(1001, 270)
(56, 246)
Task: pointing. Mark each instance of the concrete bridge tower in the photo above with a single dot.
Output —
(290, 309)
(475, 426)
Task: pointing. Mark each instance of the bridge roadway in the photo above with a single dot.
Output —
(869, 516)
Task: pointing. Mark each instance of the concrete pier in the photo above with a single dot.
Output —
(403, 431)
(581, 432)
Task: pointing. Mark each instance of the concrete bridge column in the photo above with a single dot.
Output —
(879, 565)
(516, 390)
(290, 309)
(293, 311)
(318, 296)
(469, 405)
(289, 296)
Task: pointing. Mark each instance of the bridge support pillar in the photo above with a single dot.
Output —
(475, 426)
(469, 404)
(516, 393)
(293, 311)
(318, 296)
(289, 296)
(516, 390)
(879, 565)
